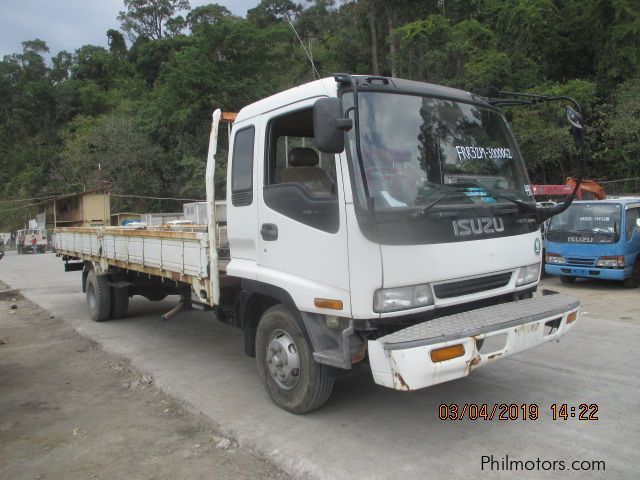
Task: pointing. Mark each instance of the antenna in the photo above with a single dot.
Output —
(313, 66)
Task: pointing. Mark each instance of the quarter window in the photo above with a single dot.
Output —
(632, 215)
(242, 168)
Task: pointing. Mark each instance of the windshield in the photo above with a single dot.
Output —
(587, 223)
(423, 153)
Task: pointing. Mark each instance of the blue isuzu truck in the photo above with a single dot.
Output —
(596, 239)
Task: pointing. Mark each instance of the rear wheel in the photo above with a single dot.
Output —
(292, 378)
(119, 302)
(98, 297)
(564, 279)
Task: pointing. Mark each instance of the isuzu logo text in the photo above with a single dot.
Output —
(580, 239)
(464, 227)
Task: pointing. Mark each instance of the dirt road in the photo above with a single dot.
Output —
(72, 411)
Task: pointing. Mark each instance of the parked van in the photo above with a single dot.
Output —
(596, 239)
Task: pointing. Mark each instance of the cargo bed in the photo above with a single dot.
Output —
(178, 253)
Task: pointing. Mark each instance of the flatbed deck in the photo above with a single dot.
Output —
(179, 253)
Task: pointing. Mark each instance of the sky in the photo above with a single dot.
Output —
(70, 24)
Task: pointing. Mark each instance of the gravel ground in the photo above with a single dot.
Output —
(72, 411)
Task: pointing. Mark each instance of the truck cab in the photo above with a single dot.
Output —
(596, 239)
(425, 211)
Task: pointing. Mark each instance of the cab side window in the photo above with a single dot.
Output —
(300, 181)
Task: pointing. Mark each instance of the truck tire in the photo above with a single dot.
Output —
(633, 281)
(569, 279)
(292, 378)
(98, 297)
(119, 302)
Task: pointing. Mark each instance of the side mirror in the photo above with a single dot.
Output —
(329, 125)
(575, 119)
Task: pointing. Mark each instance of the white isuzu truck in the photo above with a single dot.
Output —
(370, 221)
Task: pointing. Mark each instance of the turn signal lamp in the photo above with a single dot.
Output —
(328, 303)
(447, 353)
(572, 317)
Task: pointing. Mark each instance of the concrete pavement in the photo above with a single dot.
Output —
(367, 431)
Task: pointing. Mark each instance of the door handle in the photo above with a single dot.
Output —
(269, 232)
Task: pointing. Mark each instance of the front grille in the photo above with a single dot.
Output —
(582, 261)
(474, 285)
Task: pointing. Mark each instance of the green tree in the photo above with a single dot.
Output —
(620, 157)
(153, 19)
(271, 12)
(117, 45)
(109, 148)
(206, 14)
(544, 135)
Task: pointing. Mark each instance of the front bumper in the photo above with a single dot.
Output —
(588, 272)
(402, 360)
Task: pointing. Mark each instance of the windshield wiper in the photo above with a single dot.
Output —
(521, 205)
(595, 231)
(445, 195)
(481, 192)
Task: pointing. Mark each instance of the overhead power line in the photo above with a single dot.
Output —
(28, 199)
(43, 200)
(19, 207)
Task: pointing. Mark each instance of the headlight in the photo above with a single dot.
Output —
(554, 258)
(610, 262)
(403, 298)
(528, 274)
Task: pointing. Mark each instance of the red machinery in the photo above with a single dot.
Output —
(588, 190)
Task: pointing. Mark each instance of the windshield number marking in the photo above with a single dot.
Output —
(472, 153)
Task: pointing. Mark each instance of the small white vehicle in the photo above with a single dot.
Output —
(358, 232)
(31, 239)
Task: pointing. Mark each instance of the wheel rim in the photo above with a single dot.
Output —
(91, 297)
(283, 361)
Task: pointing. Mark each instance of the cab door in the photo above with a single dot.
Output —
(301, 212)
(632, 247)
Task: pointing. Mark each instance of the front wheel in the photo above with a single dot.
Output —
(292, 378)
(633, 281)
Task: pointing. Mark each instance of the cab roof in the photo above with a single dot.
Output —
(328, 87)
